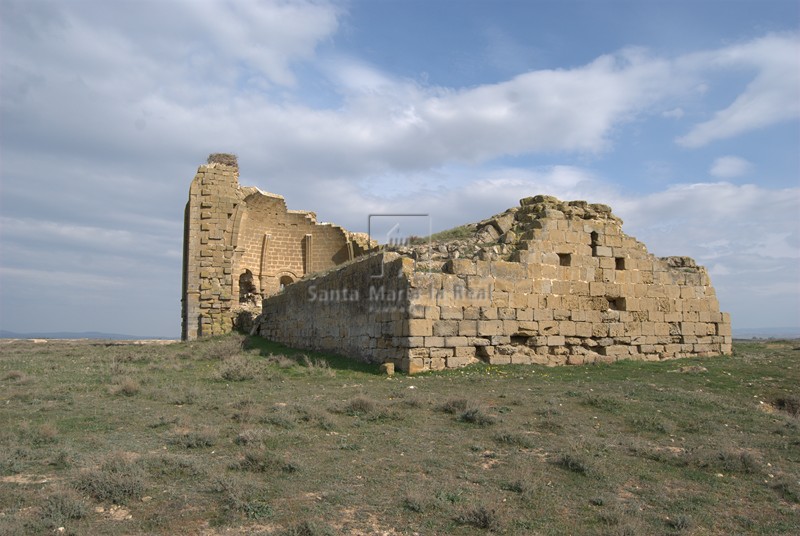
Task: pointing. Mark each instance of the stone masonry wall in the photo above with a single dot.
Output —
(359, 310)
(214, 198)
(571, 288)
(575, 290)
(242, 244)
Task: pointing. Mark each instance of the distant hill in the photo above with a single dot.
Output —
(4, 334)
(767, 333)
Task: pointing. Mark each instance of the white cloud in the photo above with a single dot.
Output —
(108, 91)
(771, 97)
(729, 167)
(60, 235)
(714, 220)
(452, 195)
(268, 35)
(59, 280)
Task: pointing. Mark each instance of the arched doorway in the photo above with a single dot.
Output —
(285, 281)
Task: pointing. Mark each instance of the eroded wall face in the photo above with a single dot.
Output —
(579, 292)
(576, 290)
(214, 200)
(359, 310)
(276, 243)
(241, 244)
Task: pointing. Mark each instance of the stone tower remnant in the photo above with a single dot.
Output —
(242, 244)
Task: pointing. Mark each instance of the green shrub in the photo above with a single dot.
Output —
(573, 463)
(514, 439)
(789, 404)
(61, 506)
(480, 517)
(194, 439)
(308, 528)
(263, 461)
(359, 406)
(117, 480)
(454, 406)
(236, 369)
(126, 386)
(680, 522)
(477, 416)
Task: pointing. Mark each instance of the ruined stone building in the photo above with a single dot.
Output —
(548, 282)
(242, 244)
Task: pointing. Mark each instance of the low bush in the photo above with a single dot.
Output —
(573, 462)
(480, 517)
(454, 406)
(62, 506)
(117, 480)
(477, 416)
(359, 406)
(236, 369)
(125, 386)
(194, 439)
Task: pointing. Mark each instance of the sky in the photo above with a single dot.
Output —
(684, 116)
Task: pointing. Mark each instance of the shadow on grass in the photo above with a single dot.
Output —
(267, 348)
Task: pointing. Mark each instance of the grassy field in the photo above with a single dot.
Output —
(241, 436)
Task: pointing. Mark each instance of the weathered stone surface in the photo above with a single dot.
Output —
(249, 246)
(565, 285)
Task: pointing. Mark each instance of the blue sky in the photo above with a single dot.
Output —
(683, 116)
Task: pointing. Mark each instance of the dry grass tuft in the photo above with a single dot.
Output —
(480, 517)
(789, 404)
(194, 439)
(574, 463)
(514, 439)
(281, 361)
(454, 406)
(249, 437)
(263, 461)
(308, 528)
(62, 506)
(117, 480)
(46, 433)
(477, 416)
(359, 406)
(237, 369)
(126, 386)
(319, 366)
(17, 376)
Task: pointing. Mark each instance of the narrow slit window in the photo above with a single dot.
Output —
(620, 263)
(595, 238)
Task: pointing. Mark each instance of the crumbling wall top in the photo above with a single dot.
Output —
(543, 205)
